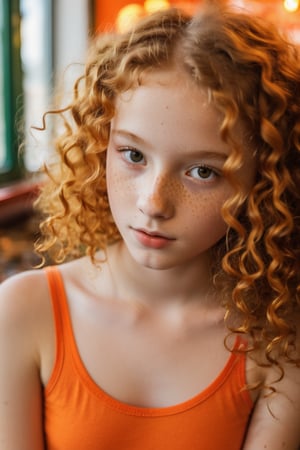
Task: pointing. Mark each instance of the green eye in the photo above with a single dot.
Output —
(133, 156)
(136, 156)
(202, 173)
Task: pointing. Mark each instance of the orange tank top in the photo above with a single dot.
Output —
(79, 415)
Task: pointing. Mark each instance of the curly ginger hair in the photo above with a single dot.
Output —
(252, 75)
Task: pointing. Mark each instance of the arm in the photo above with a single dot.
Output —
(275, 423)
(21, 424)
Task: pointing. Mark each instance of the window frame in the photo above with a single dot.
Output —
(12, 168)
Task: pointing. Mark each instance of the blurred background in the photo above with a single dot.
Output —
(43, 44)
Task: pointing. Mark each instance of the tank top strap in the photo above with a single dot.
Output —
(240, 344)
(62, 321)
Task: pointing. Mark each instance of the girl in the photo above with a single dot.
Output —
(176, 200)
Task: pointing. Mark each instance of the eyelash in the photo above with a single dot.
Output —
(129, 152)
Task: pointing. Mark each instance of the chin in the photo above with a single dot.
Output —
(155, 262)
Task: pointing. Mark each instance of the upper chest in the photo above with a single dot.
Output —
(143, 358)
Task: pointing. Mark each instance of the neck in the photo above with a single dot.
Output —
(188, 284)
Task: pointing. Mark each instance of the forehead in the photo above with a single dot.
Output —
(169, 105)
(175, 80)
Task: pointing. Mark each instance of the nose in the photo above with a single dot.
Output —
(156, 198)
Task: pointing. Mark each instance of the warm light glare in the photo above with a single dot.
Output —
(291, 5)
(155, 5)
(128, 16)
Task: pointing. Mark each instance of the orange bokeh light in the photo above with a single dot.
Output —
(129, 14)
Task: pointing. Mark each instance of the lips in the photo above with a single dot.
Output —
(154, 234)
(152, 239)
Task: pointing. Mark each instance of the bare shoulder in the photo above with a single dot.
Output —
(21, 295)
(24, 318)
(24, 280)
(25, 314)
(22, 288)
(275, 421)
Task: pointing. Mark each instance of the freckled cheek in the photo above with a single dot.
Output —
(118, 187)
(204, 209)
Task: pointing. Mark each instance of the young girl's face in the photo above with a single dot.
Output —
(164, 172)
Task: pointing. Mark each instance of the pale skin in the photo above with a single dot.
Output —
(153, 300)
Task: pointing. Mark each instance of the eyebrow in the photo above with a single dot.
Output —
(130, 135)
(206, 153)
